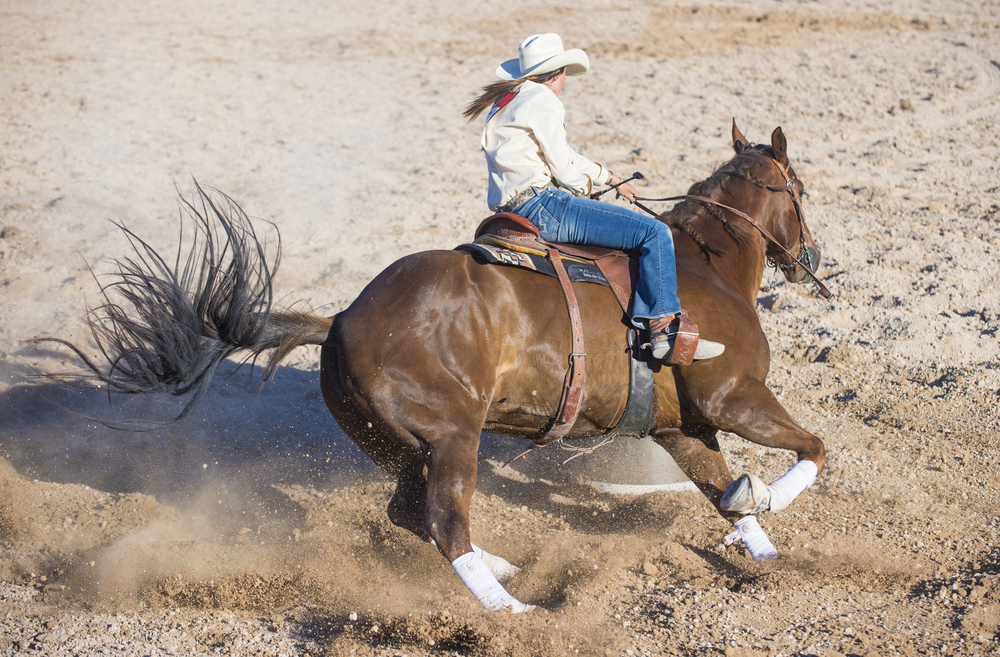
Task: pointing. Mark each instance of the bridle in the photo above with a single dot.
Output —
(807, 257)
(808, 252)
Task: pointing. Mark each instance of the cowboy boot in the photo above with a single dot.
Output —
(674, 340)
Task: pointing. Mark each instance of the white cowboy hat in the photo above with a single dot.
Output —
(543, 53)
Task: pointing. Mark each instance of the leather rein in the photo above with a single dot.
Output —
(789, 188)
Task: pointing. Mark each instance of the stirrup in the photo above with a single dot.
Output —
(679, 344)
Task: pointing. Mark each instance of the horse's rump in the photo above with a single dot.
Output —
(507, 341)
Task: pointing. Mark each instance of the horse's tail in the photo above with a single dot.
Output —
(165, 327)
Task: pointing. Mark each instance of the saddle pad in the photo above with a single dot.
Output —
(579, 271)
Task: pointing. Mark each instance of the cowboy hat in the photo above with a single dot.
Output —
(543, 53)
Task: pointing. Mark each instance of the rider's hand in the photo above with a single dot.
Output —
(626, 191)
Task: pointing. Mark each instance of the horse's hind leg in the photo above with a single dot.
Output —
(402, 458)
(451, 481)
(408, 509)
(435, 505)
(408, 505)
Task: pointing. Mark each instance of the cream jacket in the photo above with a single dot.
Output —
(525, 145)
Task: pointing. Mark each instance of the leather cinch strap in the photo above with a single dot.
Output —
(569, 403)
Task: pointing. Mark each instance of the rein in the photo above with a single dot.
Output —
(790, 189)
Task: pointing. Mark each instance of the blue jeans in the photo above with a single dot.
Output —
(563, 217)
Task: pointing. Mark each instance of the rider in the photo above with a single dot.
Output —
(534, 173)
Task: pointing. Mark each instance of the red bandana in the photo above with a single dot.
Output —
(500, 104)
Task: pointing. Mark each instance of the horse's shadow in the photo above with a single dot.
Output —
(278, 433)
(245, 436)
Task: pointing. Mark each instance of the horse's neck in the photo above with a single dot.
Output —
(742, 261)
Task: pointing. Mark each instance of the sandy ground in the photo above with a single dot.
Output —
(255, 526)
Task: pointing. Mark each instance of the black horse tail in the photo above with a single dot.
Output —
(165, 327)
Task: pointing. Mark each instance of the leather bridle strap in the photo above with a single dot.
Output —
(823, 290)
(576, 375)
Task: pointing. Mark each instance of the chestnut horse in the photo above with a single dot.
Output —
(438, 348)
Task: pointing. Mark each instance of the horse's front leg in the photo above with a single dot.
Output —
(757, 416)
(752, 412)
(451, 481)
(696, 452)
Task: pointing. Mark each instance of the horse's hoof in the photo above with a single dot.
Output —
(748, 494)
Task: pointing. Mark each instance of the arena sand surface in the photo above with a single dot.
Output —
(255, 527)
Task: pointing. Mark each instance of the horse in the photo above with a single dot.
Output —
(440, 347)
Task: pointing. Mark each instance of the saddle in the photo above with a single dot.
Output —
(590, 264)
(512, 240)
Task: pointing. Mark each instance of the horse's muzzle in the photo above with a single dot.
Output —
(809, 257)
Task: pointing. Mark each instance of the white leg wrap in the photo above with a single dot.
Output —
(473, 572)
(784, 490)
(749, 531)
(502, 569)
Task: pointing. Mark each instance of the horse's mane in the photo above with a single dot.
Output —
(687, 216)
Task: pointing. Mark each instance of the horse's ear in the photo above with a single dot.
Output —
(740, 142)
(779, 145)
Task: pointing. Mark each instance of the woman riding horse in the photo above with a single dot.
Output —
(534, 173)
(474, 353)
